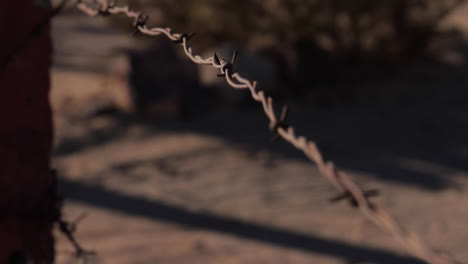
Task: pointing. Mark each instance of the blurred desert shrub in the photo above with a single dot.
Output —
(339, 41)
(394, 28)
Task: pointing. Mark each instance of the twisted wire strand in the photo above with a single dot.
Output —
(339, 179)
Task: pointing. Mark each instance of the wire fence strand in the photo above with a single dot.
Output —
(349, 189)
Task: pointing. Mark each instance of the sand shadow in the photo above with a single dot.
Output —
(97, 196)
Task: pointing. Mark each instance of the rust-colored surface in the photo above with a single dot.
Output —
(26, 186)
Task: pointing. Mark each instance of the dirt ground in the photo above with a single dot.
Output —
(216, 189)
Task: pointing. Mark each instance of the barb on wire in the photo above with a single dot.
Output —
(68, 229)
(281, 123)
(350, 190)
(350, 198)
(226, 65)
(140, 21)
(187, 37)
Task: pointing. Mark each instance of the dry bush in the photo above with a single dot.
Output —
(344, 43)
(394, 28)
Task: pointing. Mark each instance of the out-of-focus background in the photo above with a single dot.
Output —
(173, 166)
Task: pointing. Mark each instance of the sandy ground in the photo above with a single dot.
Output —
(215, 189)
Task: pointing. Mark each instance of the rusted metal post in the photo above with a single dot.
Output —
(27, 191)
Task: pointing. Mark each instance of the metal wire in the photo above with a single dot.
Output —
(357, 197)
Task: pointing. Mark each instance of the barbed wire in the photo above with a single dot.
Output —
(357, 197)
(68, 228)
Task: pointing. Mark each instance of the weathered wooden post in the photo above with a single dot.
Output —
(27, 200)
